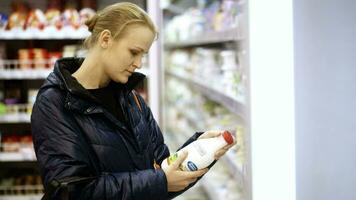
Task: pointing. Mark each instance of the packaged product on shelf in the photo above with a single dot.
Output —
(36, 20)
(69, 50)
(241, 153)
(200, 152)
(231, 75)
(219, 184)
(218, 20)
(53, 57)
(39, 58)
(230, 10)
(24, 58)
(3, 21)
(2, 55)
(53, 17)
(12, 96)
(10, 143)
(198, 22)
(242, 87)
(216, 16)
(71, 18)
(85, 14)
(18, 16)
(207, 65)
(2, 108)
(26, 148)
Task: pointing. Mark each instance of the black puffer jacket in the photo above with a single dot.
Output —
(76, 136)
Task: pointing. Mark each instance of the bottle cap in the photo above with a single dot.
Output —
(228, 137)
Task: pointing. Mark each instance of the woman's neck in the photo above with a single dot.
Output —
(90, 74)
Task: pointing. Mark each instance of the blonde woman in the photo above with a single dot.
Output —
(92, 133)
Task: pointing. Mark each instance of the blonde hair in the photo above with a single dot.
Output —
(115, 18)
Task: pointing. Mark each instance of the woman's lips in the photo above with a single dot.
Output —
(129, 72)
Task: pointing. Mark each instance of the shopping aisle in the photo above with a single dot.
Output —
(205, 84)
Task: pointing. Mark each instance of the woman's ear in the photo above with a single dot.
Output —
(105, 39)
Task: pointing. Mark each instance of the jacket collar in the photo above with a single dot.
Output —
(65, 67)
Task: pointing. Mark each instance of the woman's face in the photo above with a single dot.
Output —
(124, 55)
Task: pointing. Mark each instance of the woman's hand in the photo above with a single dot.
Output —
(222, 151)
(177, 179)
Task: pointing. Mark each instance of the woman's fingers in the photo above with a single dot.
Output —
(180, 159)
(223, 150)
(209, 134)
(219, 153)
(194, 174)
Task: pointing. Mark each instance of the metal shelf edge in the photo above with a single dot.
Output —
(212, 37)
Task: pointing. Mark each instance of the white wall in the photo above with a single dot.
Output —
(325, 79)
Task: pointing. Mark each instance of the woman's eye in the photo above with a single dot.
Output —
(134, 53)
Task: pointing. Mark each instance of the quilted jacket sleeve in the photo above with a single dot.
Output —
(63, 152)
(161, 150)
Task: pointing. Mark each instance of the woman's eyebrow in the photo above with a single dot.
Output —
(141, 49)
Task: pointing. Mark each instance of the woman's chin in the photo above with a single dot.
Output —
(122, 79)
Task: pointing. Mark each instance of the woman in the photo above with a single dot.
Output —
(88, 122)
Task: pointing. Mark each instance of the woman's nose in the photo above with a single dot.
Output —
(137, 63)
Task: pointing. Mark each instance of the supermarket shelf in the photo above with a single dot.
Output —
(174, 9)
(30, 164)
(21, 192)
(234, 169)
(21, 197)
(212, 37)
(20, 74)
(227, 101)
(209, 189)
(15, 118)
(18, 156)
(6, 74)
(48, 34)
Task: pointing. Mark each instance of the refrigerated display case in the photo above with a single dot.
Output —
(206, 85)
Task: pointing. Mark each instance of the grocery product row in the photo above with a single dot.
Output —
(15, 147)
(34, 63)
(20, 186)
(218, 16)
(13, 97)
(56, 21)
(16, 101)
(206, 84)
(37, 58)
(222, 67)
(190, 111)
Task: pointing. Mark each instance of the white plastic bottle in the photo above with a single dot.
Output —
(200, 152)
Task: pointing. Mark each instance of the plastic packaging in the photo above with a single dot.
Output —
(200, 152)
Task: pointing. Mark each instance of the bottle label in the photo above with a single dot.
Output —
(199, 149)
(172, 158)
(191, 166)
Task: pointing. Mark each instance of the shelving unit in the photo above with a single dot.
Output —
(230, 102)
(210, 37)
(21, 74)
(15, 118)
(22, 197)
(18, 75)
(51, 34)
(209, 189)
(185, 65)
(235, 170)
